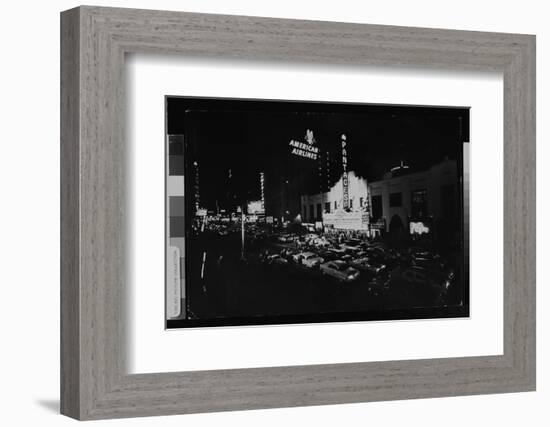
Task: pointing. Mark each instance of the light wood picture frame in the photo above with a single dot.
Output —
(94, 379)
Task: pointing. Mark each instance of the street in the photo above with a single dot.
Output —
(269, 282)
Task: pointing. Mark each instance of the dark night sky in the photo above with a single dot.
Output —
(251, 136)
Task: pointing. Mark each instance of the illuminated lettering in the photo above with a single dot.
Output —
(345, 172)
(304, 150)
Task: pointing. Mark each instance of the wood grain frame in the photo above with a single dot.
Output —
(94, 381)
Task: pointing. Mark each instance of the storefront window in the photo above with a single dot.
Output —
(419, 204)
(376, 207)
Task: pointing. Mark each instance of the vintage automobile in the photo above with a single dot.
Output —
(428, 261)
(328, 255)
(351, 245)
(340, 270)
(276, 259)
(369, 265)
(286, 238)
(338, 251)
(308, 259)
(437, 278)
(288, 253)
(319, 242)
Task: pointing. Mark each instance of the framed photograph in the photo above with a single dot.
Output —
(347, 210)
(300, 212)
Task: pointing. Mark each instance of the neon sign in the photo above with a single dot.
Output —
(419, 228)
(306, 149)
(262, 189)
(345, 183)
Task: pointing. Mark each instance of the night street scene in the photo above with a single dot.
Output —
(301, 212)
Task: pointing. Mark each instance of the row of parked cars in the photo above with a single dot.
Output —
(344, 261)
(375, 263)
(349, 260)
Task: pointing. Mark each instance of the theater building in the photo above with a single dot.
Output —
(329, 207)
(414, 202)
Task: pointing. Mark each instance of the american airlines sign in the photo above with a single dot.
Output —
(305, 149)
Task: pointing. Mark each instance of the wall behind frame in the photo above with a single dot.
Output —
(29, 172)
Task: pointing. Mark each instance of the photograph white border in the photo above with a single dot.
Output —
(153, 349)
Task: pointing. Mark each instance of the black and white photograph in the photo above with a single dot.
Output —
(283, 212)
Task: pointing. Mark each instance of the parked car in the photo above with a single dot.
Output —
(328, 255)
(428, 261)
(347, 257)
(340, 270)
(338, 251)
(437, 278)
(376, 253)
(351, 245)
(276, 259)
(319, 242)
(283, 239)
(367, 264)
(308, 259)
(288, 253)
(419, 252)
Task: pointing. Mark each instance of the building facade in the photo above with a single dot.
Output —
(427, 196)
(400, 200)
(329, 207)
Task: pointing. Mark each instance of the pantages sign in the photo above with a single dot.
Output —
(345, 183)
(306, 149)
